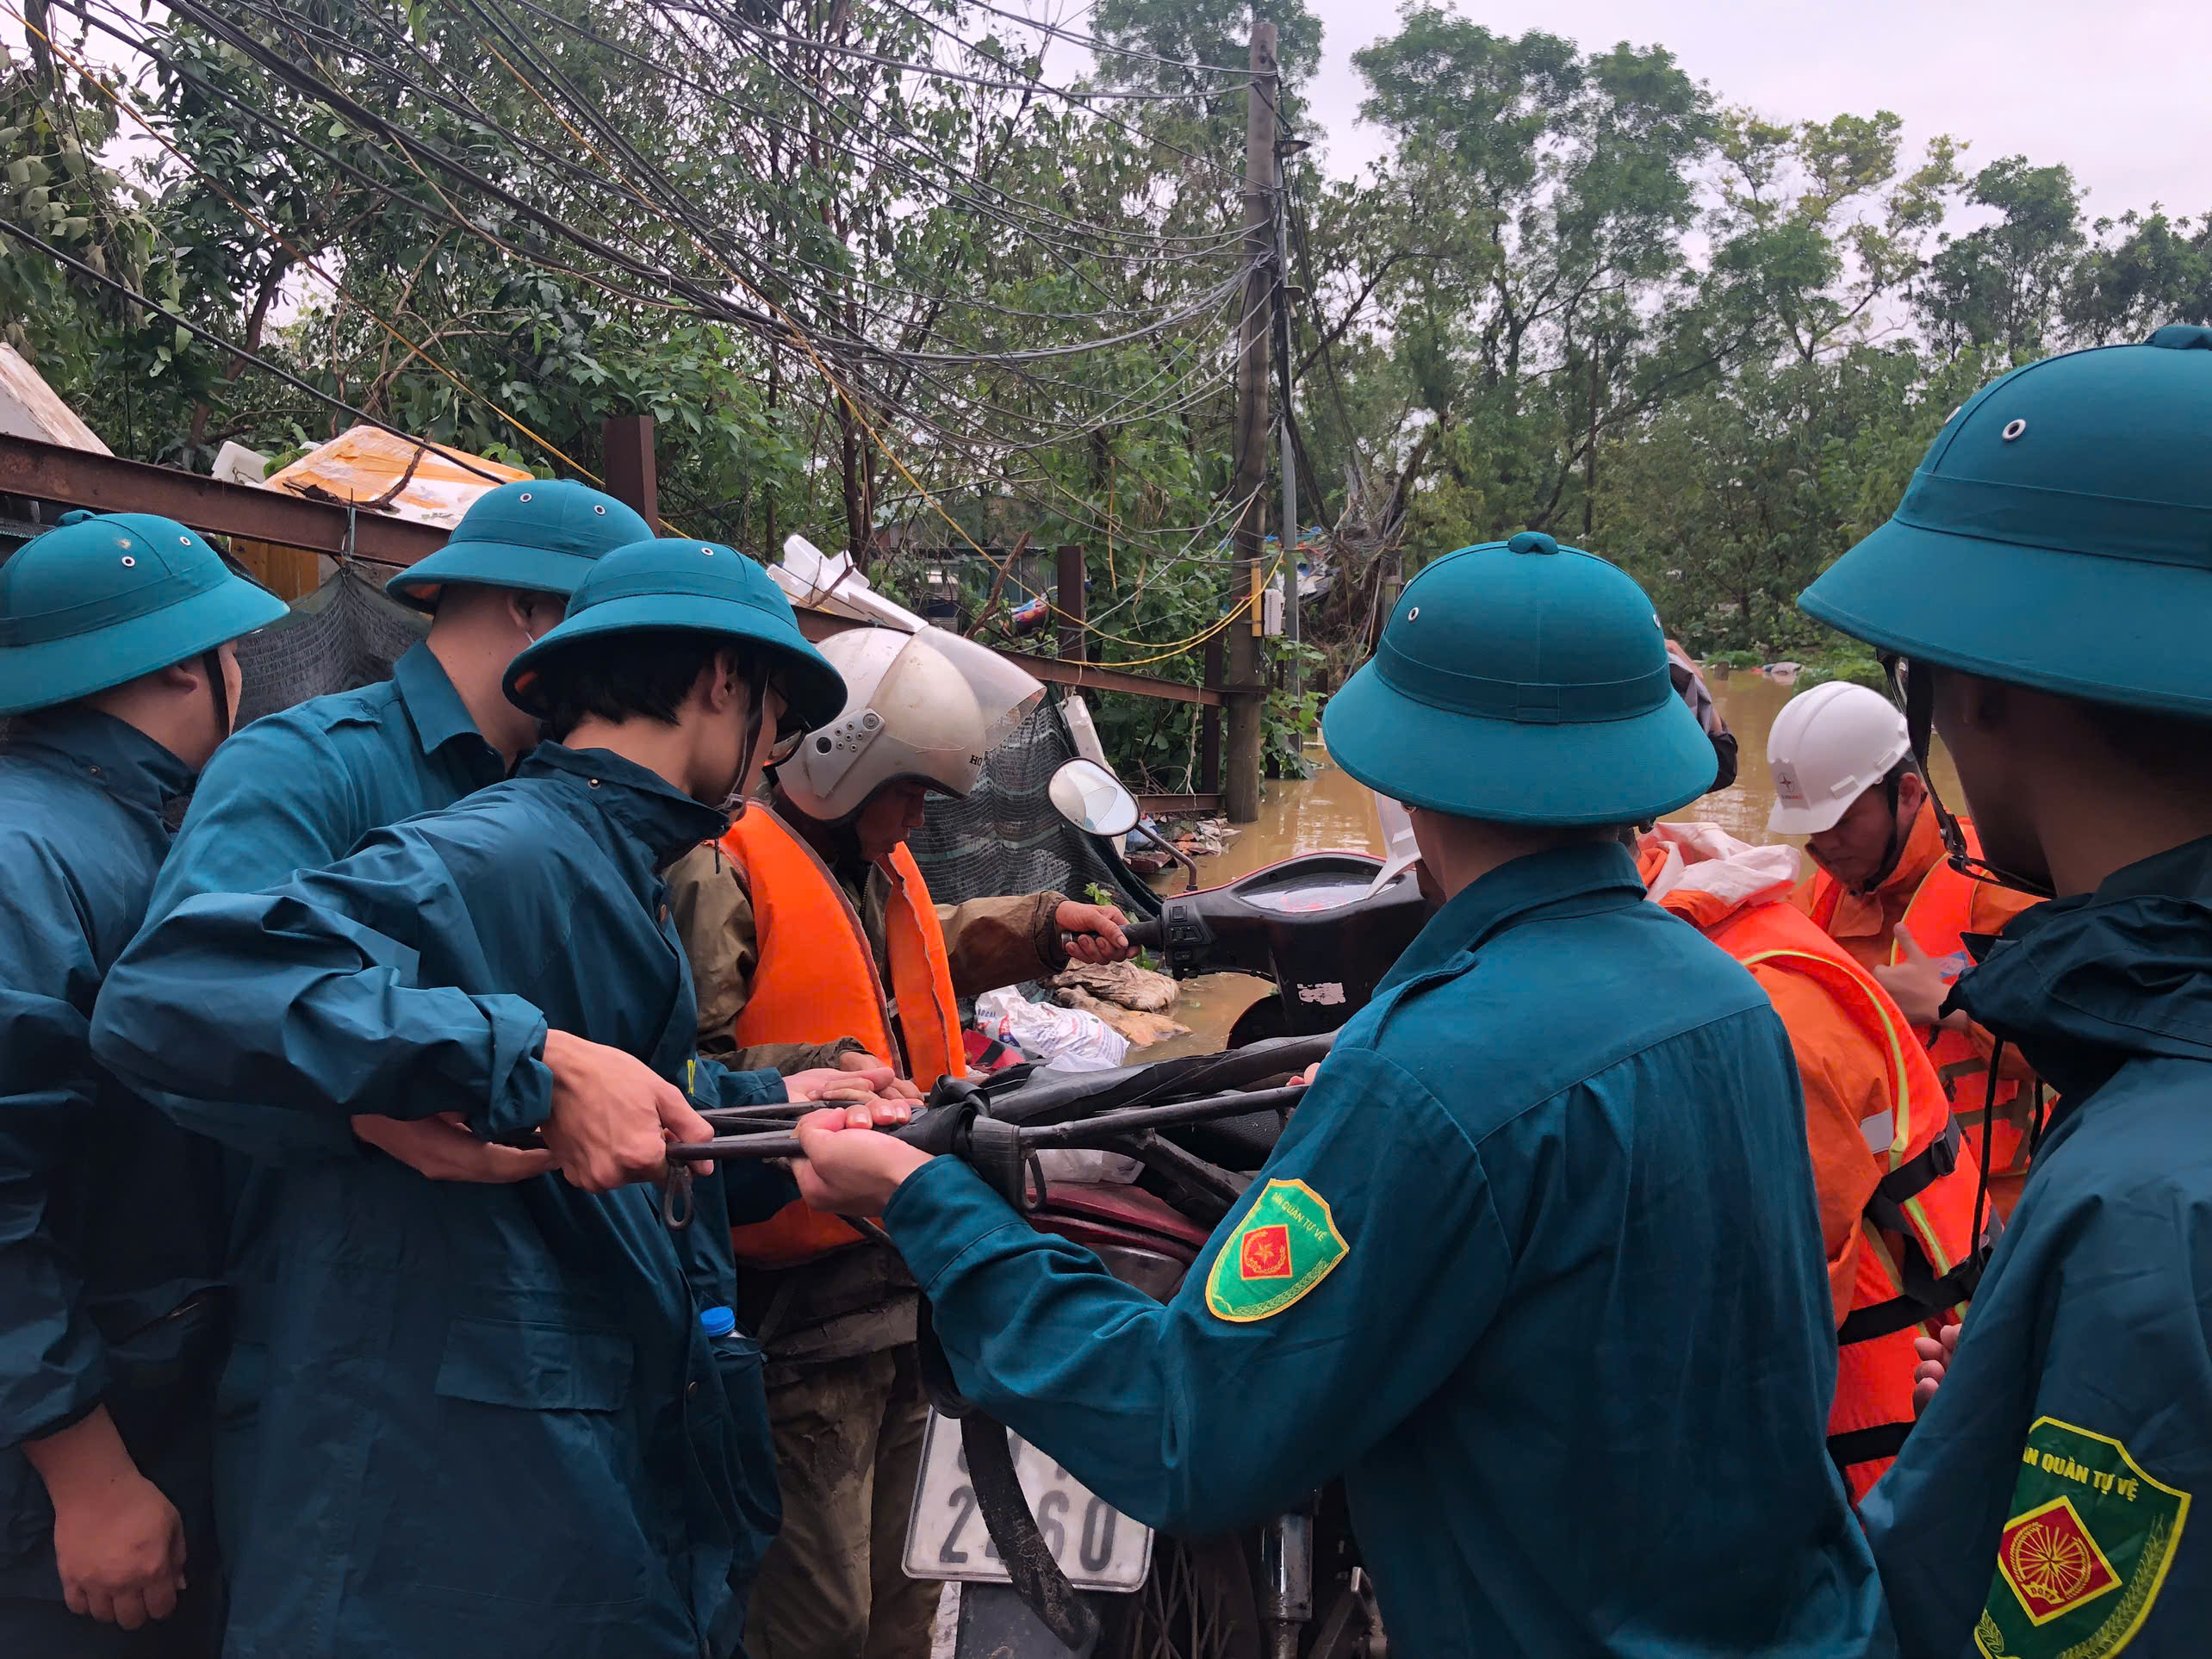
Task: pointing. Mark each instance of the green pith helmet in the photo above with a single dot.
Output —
(102, 599)
(703, 587)
(2058, 533)
(1525, 683)
(542, 535)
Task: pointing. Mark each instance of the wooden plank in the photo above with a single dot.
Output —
(633, 475)
(1068, 600)
(1181, 805)
(1077, 676)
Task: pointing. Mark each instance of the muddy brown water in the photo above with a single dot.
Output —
(1330, 811)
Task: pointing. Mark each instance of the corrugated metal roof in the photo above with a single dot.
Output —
(404, 477)
(30, 408)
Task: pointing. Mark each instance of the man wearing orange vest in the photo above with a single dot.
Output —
(1886, 893)
(1896, 1185)
(814, 941)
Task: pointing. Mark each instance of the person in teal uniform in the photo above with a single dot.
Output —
(117, 681)
(1536, 1267)
(298, 789)
(501, 1418)
(2045, 590)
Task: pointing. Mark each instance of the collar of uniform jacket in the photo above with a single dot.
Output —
(110, 753)
(2085, 983)
(666, 820)
(1565, 881)
(427, 695)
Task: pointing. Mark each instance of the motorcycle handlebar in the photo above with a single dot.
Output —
(1145, 935)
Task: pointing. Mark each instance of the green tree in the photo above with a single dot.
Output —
(2002, 285)
(2141, 270)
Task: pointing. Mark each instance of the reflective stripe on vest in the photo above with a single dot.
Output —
(1916, 1256)
(815, 980)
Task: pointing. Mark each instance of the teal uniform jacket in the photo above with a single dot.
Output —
(2052, 1500)
(1536, 1268)
(110, 1224)
(485, 1418)
(298, 790)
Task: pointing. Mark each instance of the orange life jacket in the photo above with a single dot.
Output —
(815, 980)
(1938, 916)
(1917, 1262)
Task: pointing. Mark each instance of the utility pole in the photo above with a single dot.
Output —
(1292, 675)
(1246, 687)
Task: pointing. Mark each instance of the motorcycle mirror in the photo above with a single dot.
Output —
(1092, 799)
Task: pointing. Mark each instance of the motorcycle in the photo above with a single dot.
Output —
(1047, 1568)
(1324, 927)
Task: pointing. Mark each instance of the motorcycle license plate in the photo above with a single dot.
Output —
(1098, 1547)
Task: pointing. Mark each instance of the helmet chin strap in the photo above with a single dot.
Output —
(756, 698)
(1918, 691)
(218, 689)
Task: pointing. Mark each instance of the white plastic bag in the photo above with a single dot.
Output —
(1058, 1039)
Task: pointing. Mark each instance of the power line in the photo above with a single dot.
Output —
(934, 72)
(304, 260)
(415, 150)
(1149, 137)
(1092, 43)
(251, 360)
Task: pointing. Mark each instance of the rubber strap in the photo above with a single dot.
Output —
(1867, 1445)
(1924, 1296)
(1915, 1176)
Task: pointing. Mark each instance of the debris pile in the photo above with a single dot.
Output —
(1129, 999)
(1193, 838)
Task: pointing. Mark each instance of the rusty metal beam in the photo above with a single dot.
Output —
(1177, 805)
(48, 472)
(104, 483)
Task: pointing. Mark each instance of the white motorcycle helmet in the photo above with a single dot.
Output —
(1826, 748)
(928, 705)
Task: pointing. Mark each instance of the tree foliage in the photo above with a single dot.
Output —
(914, 279)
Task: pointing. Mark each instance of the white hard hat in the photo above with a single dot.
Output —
(1827, 747)
(927, 706)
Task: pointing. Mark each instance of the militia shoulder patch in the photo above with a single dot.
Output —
(1287, 1243)
(2085, 1552)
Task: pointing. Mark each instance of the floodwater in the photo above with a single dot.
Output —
(1330, 811)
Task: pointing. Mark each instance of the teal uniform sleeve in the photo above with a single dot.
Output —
(53, 1362)
(1283, 1358)
(276, 799)
(2084, 1375)
(754, 1190)
(334, 1017)
(732, 1088)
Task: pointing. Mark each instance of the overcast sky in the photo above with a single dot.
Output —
(2116, 89)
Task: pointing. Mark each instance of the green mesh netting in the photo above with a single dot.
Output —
(1007, 838)
(344, 634)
